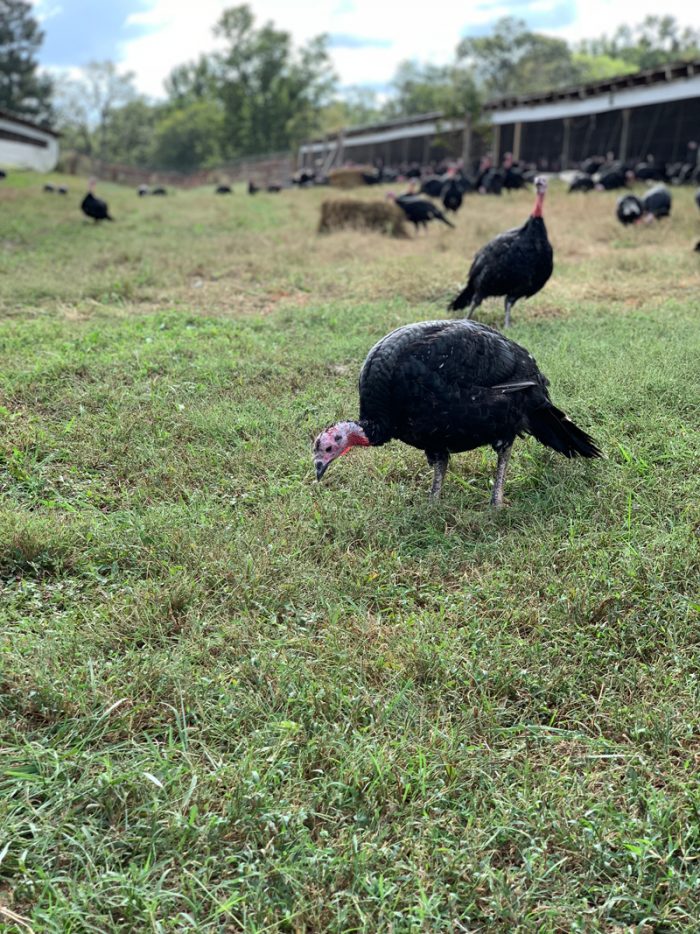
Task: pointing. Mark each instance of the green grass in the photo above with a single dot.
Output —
(235, 700)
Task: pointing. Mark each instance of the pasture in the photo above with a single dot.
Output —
(232, 699)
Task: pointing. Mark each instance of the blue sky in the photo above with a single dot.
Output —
(368, 38)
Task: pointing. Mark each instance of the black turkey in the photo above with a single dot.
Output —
(581, 182)
(657, 202)
(49, 188)
(62, 190)
(252, 187)
(142, 191)
(94, 207)
(223, 190)
(160, 192)
(451, 195)
(516, 264)
(629, 209)
(432, 186)
(450, 386)
(419, 211)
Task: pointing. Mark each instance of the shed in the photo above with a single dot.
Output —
(27, 145)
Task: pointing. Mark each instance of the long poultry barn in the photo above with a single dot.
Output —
(650, 112)
(421, 139)
(655, 111)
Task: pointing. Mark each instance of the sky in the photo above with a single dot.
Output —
(368, 38)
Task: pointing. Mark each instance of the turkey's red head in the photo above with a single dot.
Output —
(335, 441)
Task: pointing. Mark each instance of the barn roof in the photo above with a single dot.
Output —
(638, 79)
(22, 121)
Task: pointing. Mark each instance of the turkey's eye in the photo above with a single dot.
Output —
(337, 439)
(329, 449)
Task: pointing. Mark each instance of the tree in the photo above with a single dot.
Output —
(422, 88)
(22, 89)
(513, 60)
(87, 105)
(655, 41)
(189, 138)
(272, 94)
(130, 132)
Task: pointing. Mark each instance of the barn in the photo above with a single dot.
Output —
(421, 138)
(655, 111)
(27, 145)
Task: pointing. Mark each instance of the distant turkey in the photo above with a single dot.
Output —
(252, 187)
(432, 186)
(581, 182)
(451, 195)
(657, 202)
(516, 264)
(629, 209)
(94, 207)
(223, 190)
(419, 211)
(450, 386)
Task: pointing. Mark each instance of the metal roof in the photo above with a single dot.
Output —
(638, 79)
(22, 121)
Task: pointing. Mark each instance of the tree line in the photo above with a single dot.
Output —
(260, 93)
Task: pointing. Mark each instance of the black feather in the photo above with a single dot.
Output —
(450, 386)
(516, 264)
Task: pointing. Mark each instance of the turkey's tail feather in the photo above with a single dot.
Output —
(464, 299)
(441, 217)
(554, 429)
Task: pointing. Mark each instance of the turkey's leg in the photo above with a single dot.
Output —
(503, 458)
(509, 305)
(440, 462)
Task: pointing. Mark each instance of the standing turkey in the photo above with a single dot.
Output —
(419, 211)
(94, 207)
(450, 386)
(516, 264)
(451, 195)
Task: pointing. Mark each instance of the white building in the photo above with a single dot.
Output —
(26, 145)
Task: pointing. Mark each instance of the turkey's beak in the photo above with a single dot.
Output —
(321, 468)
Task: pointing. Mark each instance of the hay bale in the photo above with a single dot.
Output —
(350, 176)
(343, 213)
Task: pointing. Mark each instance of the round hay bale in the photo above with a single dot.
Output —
(343, 213)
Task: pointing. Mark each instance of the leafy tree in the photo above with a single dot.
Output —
(423, 88)
(357, 106)
(86, 106)
(655, 41)
(272, 94)
(513, 60)
(22, 89)
(129, 134)
(190, 137)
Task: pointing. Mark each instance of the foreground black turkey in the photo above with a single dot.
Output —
(450, 386)
(516, 264)
(94, 207)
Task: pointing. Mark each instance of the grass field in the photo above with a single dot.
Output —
(232, 699)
